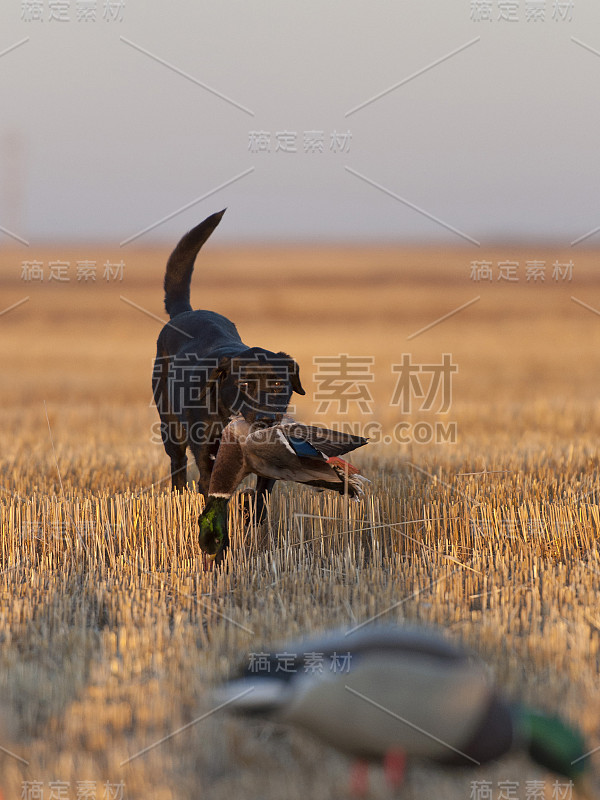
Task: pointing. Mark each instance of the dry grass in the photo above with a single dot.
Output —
(111, 631)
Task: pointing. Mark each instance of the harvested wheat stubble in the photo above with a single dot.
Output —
(111, 632)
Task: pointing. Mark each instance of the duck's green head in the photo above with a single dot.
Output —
(212, 524)
(553, 744)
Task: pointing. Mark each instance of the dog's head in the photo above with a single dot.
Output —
(258, 384)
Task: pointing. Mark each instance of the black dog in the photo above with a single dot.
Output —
(204, 373)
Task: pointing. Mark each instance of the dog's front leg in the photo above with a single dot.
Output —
(175, 448)
(179, 473)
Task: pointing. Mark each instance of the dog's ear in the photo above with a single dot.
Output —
(213, 384)
(295, 379)
(293, 373)
(223, 369)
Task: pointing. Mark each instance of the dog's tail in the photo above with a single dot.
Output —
(181, 265)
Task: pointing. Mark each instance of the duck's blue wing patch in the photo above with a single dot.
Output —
(302, 448)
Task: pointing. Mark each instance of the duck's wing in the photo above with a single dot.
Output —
(286, 452)
(346, 647)
(369, 639)
(351, 479)
(270, 672)
(322, 440)
(302, 447)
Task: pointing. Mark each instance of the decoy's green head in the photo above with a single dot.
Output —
(554, 744)
(212, 524)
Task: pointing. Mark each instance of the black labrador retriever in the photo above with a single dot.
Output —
(204, 374)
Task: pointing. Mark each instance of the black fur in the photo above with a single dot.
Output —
(204, 373)
(180, 265)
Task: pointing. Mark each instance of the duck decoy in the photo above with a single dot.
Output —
(288, 451)
(388, 692)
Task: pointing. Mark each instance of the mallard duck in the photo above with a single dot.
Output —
(385, 692)
(288, 451)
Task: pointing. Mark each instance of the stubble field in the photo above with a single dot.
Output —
(113, 634)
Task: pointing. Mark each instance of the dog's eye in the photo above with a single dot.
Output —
(248, 387)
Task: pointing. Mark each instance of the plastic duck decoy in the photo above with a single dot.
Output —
(388, 693)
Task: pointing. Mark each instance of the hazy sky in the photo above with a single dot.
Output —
(111, 124)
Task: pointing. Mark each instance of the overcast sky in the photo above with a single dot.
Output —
(351, 120)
